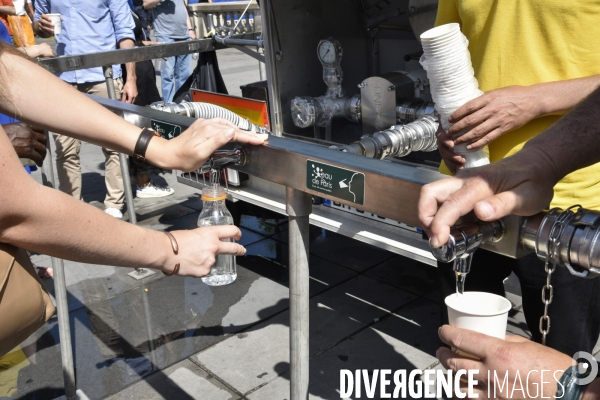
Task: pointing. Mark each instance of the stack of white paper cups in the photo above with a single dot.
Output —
(447, 60)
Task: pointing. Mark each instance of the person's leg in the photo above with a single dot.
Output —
(488, 271)
(574, 312)
(183, 70)
(167, 74)
(115, 191)
(68, 165)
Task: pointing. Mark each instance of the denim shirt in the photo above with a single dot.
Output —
(88, 26)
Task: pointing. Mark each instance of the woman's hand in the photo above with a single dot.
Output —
(198, 249)
(188, 151)
(39, 50)
(515, 357)
(493, 114)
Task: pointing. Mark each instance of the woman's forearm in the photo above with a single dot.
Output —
(36, 96)
(47, 221)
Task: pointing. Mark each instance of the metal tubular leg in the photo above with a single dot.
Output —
(299, 207)
(269, 33)
(110, 84)
(60, 289)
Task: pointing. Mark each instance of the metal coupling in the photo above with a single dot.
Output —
(398, 140)
(411, 110)
(568, 238)
(468, 237)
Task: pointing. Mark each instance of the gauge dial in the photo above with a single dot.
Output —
(327, 52)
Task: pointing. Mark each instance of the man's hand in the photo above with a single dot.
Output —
(192, 34)
(151, 3)
(515, 355)
(28, 142)
(493, 114)
(188, 151)
(521, 184)
(445, 144)
(44, 26)
(130, 92)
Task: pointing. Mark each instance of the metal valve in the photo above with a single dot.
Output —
(468, 237)
(223, 158)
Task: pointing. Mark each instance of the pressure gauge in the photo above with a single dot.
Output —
(330, 53)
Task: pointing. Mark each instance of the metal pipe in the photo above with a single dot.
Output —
(319, 111)
(110, 85)
(238, 42)
(60, 293)
(269, 33)
(299, 207)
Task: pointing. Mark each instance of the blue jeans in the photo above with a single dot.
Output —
(175, 71)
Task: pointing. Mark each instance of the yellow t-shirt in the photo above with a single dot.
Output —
(525, 42)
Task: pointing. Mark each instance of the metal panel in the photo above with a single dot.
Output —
(298, 28)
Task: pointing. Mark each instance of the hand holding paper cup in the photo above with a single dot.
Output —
(57, 22)
(482, 312)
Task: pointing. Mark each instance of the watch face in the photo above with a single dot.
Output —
(327, 52)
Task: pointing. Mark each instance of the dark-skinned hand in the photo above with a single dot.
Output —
(28, 142)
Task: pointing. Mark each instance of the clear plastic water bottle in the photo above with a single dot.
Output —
(214, 212)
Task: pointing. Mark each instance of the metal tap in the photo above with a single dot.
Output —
(464, 240)
(223, 158)
(468, 237)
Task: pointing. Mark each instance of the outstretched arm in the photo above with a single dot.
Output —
(77, 231)
(501, 110)
(61, 108)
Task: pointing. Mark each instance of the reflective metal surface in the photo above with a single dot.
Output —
(391, 189)
(135, 54)
(84, 61)
(271, 49)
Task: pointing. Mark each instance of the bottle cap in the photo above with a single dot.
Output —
(213, 193)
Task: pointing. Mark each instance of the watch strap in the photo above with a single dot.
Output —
(568, 386)
(139, 152)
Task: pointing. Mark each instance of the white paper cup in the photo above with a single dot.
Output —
(56, 21)
(454, 40)
(479, 311)
(440, 31)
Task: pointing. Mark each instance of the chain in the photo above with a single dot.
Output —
(553, 259)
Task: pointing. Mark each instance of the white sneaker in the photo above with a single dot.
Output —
(153, 191)
(114, 212)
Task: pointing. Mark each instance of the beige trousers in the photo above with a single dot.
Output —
(68, 163)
